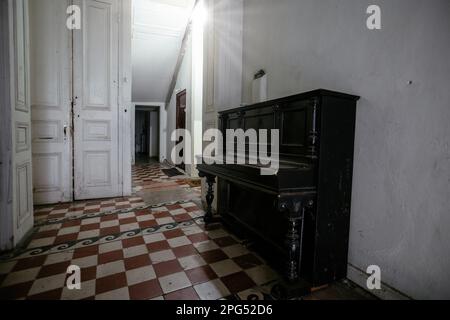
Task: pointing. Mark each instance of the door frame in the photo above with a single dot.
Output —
(152, 129)
(178, 97)
(153, 114)
(124, 100)
(180, 94)
(162, 128)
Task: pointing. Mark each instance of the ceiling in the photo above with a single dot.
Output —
(158, 30)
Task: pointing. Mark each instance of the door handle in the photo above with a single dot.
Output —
(65, 132)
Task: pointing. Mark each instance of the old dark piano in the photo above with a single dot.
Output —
(300, 216)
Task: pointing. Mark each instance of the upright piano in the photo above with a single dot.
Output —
(300, 215)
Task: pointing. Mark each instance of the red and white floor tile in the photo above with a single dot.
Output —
(74, 209)
(150, 177)
(170, 259)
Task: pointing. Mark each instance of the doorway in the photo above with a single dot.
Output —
(147, 134)
(181, 121)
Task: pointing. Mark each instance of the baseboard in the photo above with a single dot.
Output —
(386, 292)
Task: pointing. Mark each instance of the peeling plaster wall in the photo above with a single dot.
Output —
(401, 194)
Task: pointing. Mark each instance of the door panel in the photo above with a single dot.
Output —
(21, 127)
(96, 111)
(51, 101)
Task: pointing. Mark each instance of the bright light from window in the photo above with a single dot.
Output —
(199, 16)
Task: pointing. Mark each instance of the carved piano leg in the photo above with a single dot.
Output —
(210, 181)
(293, 244)
(293, 209)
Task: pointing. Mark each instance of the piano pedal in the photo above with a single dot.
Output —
(286, 290)
(248, 244)
(213, 223)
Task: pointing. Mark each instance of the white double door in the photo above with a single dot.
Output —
(75, 112)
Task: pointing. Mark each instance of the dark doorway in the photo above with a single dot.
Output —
(181, 120)
(142, 132)
(146, 134)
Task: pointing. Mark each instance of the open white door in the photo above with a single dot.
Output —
(96, 110)
(22, 207)
(50, 62)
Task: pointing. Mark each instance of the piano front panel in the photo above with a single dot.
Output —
(294, 119)
(233, 123)
(296, 124)
(257, 119)
(264, 118)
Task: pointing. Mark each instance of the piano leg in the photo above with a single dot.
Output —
(292, 286)
(293, 245)
(293, 209)
(210, 181)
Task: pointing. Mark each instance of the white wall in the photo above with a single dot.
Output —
(190, 78)
(184, 82)
(400, 211)
(227, 53)
(222, 86)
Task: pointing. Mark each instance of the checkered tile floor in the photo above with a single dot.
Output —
(67, 210)
(144, 260)
(149, 177)
(127, 249)
(100, 224)
(143, 174)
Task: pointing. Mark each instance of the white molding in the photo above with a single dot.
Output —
(195, 113)
(171, 3)
(385, 293)
(145, 32)
(125, 81)
(209, 64)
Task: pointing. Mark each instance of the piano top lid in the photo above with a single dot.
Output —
(305, 95)
(280, 163)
